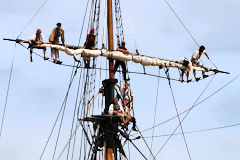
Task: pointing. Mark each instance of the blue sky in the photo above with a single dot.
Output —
(37, 89)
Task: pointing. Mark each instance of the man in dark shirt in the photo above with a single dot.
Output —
(123, 49)
(89, 44)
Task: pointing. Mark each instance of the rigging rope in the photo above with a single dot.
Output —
(190, 34)
(192, 106)
(185, 115)
(145, 143)
(68, 142)
(198, 131)
(65, 104)
(155, 110)
(180, 123)
(80, 36)
(32, 18)
(6, 100)
(75, 108)
(131, 24)
(66, 96)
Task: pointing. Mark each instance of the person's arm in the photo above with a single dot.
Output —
(206, 55)
(120, 50)
(126, 52)
(62, 37)
(118, 86)
(193, 62)
(110, 110)
(51, 37)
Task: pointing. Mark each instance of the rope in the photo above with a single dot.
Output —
(6, 100)
(32, 18)
(198, 131)
(185, 115)
(175, 105)
(190, 107)
(75, 108)
(70, 83)
(68, 142)
(155, 111)
(104, 20)
(138, 149)
(83, 24)
(60, 126)
(145, 143)
(131, 24)
(190, 34)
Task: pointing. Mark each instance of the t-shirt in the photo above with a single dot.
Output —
(111, 109)
(189, 67)
(35, 38)
(127, 94)
(196, 54)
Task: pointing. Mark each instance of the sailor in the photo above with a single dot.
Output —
(123, 49)
(195, 57)
(36, 39)
(116, 109)
(127, 94)
(89, 44)
(188, 66)
(128, 116)
(54, 39)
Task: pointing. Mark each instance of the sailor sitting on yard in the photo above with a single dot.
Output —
(116, 109)
(123, 49)
(36, 39)
(195, 57)
(188, 64)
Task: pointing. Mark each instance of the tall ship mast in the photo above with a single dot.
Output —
(106, 135)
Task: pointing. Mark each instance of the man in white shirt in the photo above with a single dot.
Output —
(126, 93)
(116, 109)
(195, 61)
(36, 39)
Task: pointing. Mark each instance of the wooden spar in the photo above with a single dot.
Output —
(110, 36)
(116, 55)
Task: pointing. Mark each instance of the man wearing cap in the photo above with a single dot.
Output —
(54, 39)
(36, 39)
(195, 57)
(89, 44)
(118, 63)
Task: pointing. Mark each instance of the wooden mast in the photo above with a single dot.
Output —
(110, 36)
(109, 151)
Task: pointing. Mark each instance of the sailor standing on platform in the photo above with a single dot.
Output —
(127, 94)
(54, 39)
(36, 39)
(195, 57)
